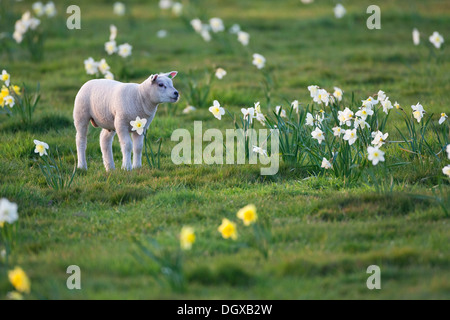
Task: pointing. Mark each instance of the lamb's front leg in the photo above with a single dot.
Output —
(126, 145)
(138, 144)
(106, 141)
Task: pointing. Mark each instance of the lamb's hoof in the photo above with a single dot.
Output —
(84, 168)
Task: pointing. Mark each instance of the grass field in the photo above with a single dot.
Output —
(324, 233)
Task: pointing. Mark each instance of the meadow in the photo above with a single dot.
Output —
(324, 230)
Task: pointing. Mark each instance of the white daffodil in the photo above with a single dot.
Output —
(217, 110)
(322, 97)
(387, 105)
(364, 112)
(138, 125)
(338, 93)
(197, 25)
(448, 151)
(216, 25)
(189, 109)
(243, 38)
(369, 102)
(50, 9)
(350, 136)
(313, 91)
(111, 47)
(235, 28)
(309, 119)
(8, 212)
(112, 32)
(165, 4)
(339, 11)
(119, 9)
(125, 50)
(443, 118)
(109, 75)
(397, 105)
(318, 135)
(103, 66)
(248, 114)
(446, 170)
(9, 101)
(436, 39)
(375, 155)
(279, 110)
(418, 112)
(38, 8)
(337, 131)
(205, 34)
(258, 107)
(260, 150)
(416, 37)
(177, 9)
(161, 34)
(326, 164)
(345, 117)
(295, 105)
(261, 118)
(91, 66)
(220, 73)
(259, 61)
(381, 96)
(6, 78)
(41, 147)
(379, 139)
(361, 123)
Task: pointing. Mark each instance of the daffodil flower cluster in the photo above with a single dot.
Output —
(111, 47)
(8, 91)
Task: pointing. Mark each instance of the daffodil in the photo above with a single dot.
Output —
(228, 229)
(295, 105)
(162, 33)
(436, 39)
(125, 50)
(375, 155)
(248, 114)
(16, 90)
(8, 212)
(177, 9)
(381, 96)
(379, 139)
(364, 112)
(9, 101)
(259, 61)
(443, 118)
(387, 105)
(220, 73)
(243, 38)
(370, 102)
(418, 111)
(197, 25)
(216, 25)
(322, 97)
(338, 93)
(397, 105)
(313, 91)
(326, 164)
(217, 110)
(138, 125)
(309, 119)
(38, 8)
(19, 280)
(189, 109)
(235, 28)
(248, 214)
(446, 170)
(339, 11)
(6, 78)
(318, 135)
(187, 238)
(261, 118)
(258, 107)
(103, 66)
(91, 66)
(112, 32)
(50, 9)
(41, 147)
(260, 150)
(280, 111)
(448, 151)
(345, 117)
(165, 4)
(109, 75)
(360, 123)
(111, 47)
(205, 34)
(119, 8)
(350, 136)
(337, 131)
(416, 37)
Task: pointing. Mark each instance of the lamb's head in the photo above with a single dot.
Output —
(161, 88)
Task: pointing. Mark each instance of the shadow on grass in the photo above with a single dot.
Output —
(39, 126)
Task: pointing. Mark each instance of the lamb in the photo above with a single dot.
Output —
(112, 105)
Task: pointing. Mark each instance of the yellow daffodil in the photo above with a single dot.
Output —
(248, 214)
(228, 229)
(19, 280)
(187, 238)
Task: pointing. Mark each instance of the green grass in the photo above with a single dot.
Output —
(325, 234)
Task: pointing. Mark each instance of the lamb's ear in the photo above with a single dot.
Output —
(172, 74)
(153, 77)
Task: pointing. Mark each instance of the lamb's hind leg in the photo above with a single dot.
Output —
(106, 141)
(126, 144)
(81, 139)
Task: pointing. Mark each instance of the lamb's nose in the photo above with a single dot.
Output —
(176, 94)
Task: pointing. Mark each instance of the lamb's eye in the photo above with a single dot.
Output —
(161, 85)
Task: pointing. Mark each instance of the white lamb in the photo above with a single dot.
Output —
(112, 105)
